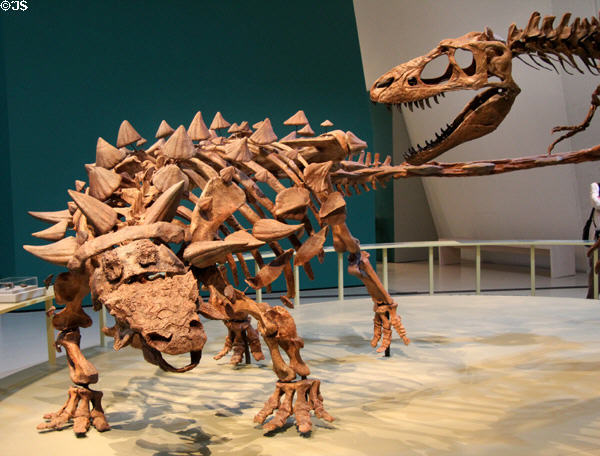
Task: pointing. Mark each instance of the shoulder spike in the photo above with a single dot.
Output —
(54, 233)
(101, 216)
(58, 253)
(165, 207)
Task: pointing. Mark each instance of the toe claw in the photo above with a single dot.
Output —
(308, 397)
(77, 411)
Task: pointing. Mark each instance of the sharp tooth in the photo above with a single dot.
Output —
(427, 102)
(421, 104)
(443, 94)
(410, 106)
(435, 99)
(437, 136)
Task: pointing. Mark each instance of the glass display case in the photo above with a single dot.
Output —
(15, 289)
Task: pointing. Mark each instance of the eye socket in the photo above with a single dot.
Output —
(385, 83)
(412, 81)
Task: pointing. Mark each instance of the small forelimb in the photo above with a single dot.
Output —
(574, 129)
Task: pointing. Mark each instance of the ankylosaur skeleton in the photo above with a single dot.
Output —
(143, 253)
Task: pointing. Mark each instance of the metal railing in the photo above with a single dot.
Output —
(430, 245)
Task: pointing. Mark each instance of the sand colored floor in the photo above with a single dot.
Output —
(485, 375)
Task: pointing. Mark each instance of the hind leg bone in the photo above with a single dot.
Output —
(383, 304)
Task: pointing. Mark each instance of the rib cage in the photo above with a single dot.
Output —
(130, 182)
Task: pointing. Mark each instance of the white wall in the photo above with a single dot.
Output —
(412, 217)
(548, 203)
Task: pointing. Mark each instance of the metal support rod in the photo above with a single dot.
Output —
(595, 260)
(388, 352)
(431, 270)
(385, 269)
(478, 269)
(246, 348)
(102, 324)
(296, 285)
(259, 291)
(340, 276)
(532, 268)
(50, 333)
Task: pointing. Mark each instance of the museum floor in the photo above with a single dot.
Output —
(484, 375)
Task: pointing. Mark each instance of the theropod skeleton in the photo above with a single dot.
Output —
(571, 45)
(153, 226)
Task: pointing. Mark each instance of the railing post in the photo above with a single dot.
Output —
(532, 268)
(478, 269)
(340, 276)
(430, 270)
(595, 260)
(259, 291)
(385, 269)
(102, 324)
(296, 285)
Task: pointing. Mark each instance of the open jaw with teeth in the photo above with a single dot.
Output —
(154, 301)
(479, 117)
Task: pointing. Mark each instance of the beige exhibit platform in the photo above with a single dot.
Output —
(485, 375)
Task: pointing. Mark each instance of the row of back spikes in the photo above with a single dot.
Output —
(180, 144)
(198, 131)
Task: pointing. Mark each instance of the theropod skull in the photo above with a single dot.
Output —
(490, 69)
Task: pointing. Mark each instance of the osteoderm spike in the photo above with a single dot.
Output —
(101, 216)
(127, 135)
(54, 233)
(57, 253)
(165, 207)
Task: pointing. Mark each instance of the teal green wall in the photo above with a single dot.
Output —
(7, 239)
(381, 119)
(74, 70)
